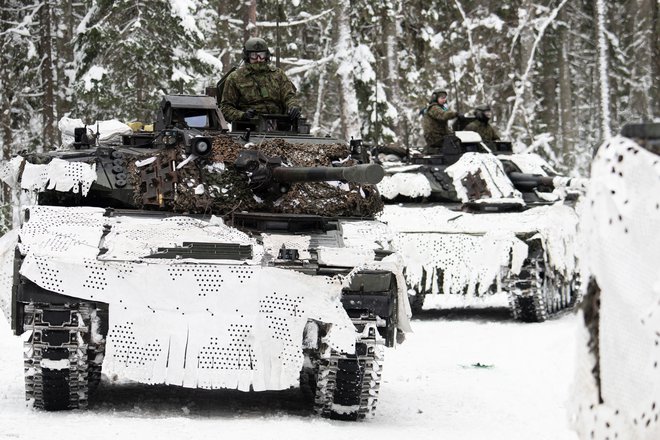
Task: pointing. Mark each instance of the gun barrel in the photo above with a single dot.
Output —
(371, 173)
(528, 182)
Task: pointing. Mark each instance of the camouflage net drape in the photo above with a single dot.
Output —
(226, 190)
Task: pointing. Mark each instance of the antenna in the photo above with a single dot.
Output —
(277, 33)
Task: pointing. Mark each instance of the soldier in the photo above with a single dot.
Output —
(481, 126)
(258, 87)
(435, 121)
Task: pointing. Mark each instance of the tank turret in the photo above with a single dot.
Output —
(190, 253)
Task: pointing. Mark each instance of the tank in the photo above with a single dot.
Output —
(616, 384)
(198, 256)
(476, 219)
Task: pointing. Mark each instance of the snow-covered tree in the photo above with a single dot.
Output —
(130, 53)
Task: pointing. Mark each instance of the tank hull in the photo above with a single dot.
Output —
(528, 256)
(196, 302)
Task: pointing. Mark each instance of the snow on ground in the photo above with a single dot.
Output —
(433, 387)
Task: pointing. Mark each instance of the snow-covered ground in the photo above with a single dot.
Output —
(464, 374)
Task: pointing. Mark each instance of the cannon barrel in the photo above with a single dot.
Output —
(371, 173)
(528, 182)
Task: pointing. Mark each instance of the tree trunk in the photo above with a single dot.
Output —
(65, 26)
(390, 16)
(603, 69)
(250, 19)
(48, 100)
(642, 79)
(655, 47)
(348, 103)
(222, 36)
(565, 111)
(64, 23)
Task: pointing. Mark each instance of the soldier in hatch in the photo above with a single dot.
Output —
(435, 121)
(258, 87)
(481, 125)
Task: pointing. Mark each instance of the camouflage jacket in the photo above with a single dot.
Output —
(486, 131)
(262, 87)
(435, 125)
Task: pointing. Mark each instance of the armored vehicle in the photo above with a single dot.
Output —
(477, 219)
(616, 376)
(203, 257)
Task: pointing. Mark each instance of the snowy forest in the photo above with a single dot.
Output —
(560, 75)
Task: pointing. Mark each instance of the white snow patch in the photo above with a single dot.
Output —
(405, 184)
(185, 10)
(93, 76)
(62, 364)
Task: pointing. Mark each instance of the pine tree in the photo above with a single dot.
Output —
(131, 53)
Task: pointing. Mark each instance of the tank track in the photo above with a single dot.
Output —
(347, 386)
(56, 355)
(535, 295)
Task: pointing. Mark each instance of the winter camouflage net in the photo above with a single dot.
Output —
(213, 185)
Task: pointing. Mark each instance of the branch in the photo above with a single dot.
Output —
(308, 65)
(530, 63)
(272, 24)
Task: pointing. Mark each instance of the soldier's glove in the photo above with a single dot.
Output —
(249, 113)
(294, 113)
(460, 116)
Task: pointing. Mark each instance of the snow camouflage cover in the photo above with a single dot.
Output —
(263, 309)
(463, 253)
(617, 385)
(446, 250)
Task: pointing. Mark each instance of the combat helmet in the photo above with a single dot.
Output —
(435, 95)
(255, 44)
(483, 112)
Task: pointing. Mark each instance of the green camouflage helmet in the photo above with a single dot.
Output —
(436, 94)
(483, 112)
(255, 44)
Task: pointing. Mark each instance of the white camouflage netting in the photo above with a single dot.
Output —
(7, 247)
(58, 174)
(471, 250)
(195, 323)
(620, 225)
